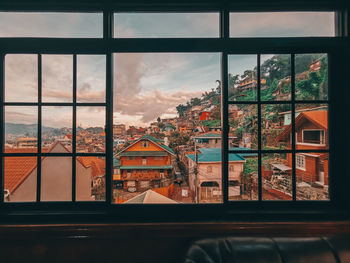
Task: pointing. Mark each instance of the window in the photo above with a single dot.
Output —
(313, 136)
(144, 144)
(76, 110)
(300, 161)
(209, 169)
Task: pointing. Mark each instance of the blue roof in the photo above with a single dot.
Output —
(244, 149)
(214, 155)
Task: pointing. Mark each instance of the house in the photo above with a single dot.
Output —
(249, 83)
(287, 115)
(26, 142)
(20, 175)
(208, 180)
(204, 115)
(145, 164)
(119, 129)
(315, 65)
(311, 133)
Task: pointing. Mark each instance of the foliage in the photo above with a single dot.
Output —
(211, 123)
(250, 166)
(181, 109)
(177, 138)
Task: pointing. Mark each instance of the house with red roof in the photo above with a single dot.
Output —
(311, 133)
(20, 176)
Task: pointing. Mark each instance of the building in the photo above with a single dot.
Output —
(145, 164)
(56, 176)
(315, 65)
(311, 133)
(27, 142)
(204, 115)
(249, 83)
(287, 115)
(208, 180)
(119, 129)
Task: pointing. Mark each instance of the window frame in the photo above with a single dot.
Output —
(225, 45)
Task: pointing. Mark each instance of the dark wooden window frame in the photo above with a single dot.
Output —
(337, 49)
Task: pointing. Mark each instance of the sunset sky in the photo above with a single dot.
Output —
(147, 86)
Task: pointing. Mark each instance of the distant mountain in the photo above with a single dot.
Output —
(25, 129)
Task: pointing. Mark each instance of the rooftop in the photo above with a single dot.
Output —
(213, 155)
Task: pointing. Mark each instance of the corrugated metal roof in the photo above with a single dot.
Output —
(209, 155)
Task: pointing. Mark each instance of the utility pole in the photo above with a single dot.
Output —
(195, 174)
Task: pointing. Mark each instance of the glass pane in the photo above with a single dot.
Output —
(91, 136)
(21, 129)
(243, 121)
(167, 103)
(312, 176)
(273, 130)
(56, 178)
(50, 24)
(242, 77)
(276, 171)
(166, 25)
(20, 179)
(91, 78)
(57, 78)
(56, 132)
(275, 77)
(243, 176)
(311, 126)
(21, 78)
(311, 76)
(282, 24)
(90, 178)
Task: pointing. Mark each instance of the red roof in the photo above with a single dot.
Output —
(319, 118)
(18, 168)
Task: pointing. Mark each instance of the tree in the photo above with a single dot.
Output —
(195, 102)
(181, 109)
(159, 119)
(277, 67)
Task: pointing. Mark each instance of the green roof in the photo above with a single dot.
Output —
(143, 153)
(164, 167)
(211, 155)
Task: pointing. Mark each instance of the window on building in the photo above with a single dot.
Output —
(313, 136)
(300, 161)
(209, 169)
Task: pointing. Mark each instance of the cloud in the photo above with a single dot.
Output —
(151, 85)
(21, 78)
(282, 24)
(153, 104)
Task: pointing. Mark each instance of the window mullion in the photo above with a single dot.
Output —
(74, 124)
(38, 186)
(294, 184)
(259, 129)
(2, 78)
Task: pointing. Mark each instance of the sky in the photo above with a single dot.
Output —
(146, 85)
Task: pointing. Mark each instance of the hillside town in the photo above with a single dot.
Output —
(178, 159)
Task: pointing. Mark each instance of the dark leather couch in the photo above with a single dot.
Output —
(282, 250)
